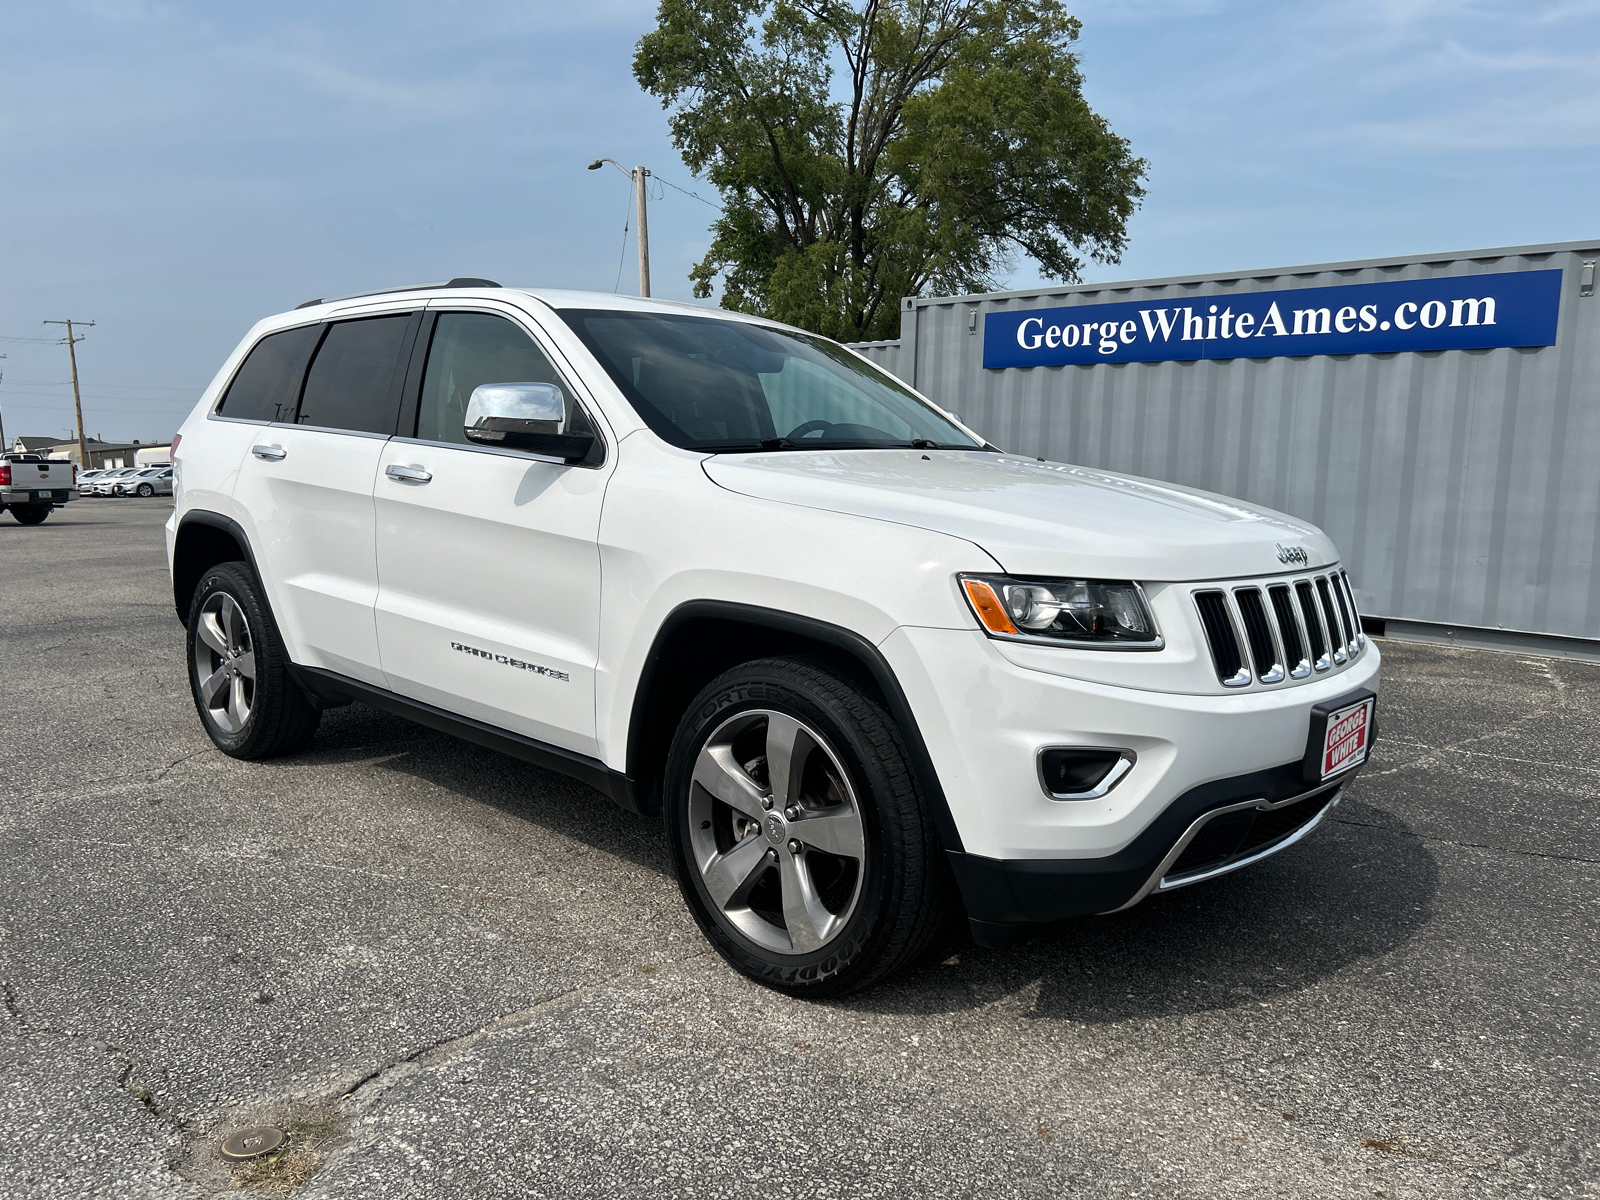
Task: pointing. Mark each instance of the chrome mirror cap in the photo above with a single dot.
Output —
(497, 409)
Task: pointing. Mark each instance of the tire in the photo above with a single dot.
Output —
(146, 490)
(30, 514)
(836, 883)
(238, 669)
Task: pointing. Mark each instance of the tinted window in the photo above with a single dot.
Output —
(471, 349)
(351, 383)
(711, 384)
(264, 389)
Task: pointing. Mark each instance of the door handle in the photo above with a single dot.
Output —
(270, 453)
(407, 474)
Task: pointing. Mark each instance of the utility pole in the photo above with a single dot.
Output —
(77, 400)
(640, 194)
(3, 445)
(639, 177)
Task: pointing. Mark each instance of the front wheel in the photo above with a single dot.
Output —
(30, 514)
(146, 490)
(796, 829)
(238, 670)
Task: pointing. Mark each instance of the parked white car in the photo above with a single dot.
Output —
(862, 663)
(147, 481)
(106, 483)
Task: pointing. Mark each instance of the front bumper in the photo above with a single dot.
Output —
(1209, 831)
(1025, 857)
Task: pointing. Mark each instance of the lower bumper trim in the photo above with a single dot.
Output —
(1030, 892)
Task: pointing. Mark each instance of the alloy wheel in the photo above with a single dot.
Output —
(225, 662)
(776, 831)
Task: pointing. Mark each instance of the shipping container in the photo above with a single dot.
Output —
(1438, 415)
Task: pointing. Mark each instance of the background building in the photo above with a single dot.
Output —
(1453, 454)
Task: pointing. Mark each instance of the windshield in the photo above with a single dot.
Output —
(706, 383)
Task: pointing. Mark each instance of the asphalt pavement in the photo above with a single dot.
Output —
(451, 974)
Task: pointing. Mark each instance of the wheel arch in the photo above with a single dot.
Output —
(700, 639)
(204, 539)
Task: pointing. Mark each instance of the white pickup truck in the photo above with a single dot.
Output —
(864, 666)
(31, 486)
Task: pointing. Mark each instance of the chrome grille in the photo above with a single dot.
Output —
(1286, 630)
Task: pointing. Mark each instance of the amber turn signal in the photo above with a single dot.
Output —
(988, 607)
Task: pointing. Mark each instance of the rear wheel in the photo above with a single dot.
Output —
(796, 830)
(30, 514)
(238, 670)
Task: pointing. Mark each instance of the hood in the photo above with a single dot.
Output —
(1036, 518)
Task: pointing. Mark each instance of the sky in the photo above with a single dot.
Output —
(175, 171)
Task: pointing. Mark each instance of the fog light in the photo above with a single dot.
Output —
(1082, 772)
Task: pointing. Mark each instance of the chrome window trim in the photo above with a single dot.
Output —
(1157, 881)
(525, 455)
(1119, 772)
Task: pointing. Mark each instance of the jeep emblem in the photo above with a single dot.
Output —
(775, 829)
(1293, 554)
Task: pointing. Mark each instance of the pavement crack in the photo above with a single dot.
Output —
(178, 762)
(1423, 837)
(125, 1080)
(370, 1088)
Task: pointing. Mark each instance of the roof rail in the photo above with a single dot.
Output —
(461, 281)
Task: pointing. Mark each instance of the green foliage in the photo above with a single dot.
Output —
(891, 149)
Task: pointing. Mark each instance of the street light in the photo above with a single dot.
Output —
(638, 175)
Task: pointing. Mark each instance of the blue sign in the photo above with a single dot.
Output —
(1462, 312)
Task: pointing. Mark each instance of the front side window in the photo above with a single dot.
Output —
(706, 383)
(351, 383)
(265, 386)
(472, 349)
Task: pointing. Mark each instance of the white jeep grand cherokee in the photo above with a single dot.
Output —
(864, 665)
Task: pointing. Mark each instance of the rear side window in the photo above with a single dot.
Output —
(352, 380)
(265, 387)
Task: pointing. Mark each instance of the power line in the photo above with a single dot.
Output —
(687, 192)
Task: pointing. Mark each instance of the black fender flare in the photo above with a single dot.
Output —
(847, 641)
(212, 520)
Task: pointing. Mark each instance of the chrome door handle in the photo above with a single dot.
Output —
(407, 474)
(270, 453)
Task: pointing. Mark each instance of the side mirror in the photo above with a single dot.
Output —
(524, 416)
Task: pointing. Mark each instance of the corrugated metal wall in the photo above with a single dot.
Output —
(1462, 486)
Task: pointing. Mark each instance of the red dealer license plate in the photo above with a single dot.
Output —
(1347, 738)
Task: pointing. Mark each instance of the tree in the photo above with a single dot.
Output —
(870, 151)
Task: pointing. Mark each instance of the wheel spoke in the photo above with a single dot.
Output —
(246, 664)
(213, 684)
(729, 877)
(809, 924)
(238, 709)
(836, 830)
(232, 621)
(210, 632)
(719, 774)
(787, 746)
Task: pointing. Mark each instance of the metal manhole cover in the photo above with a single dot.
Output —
(252, 1143)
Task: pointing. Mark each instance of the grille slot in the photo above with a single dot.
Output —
(1355, 613)
(1351, 629)
(1313, 620)
(1334, 635)
(1220, 635)
(1294, 649)
(1258, 633)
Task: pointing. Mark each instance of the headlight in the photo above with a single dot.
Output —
(1081, 612)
